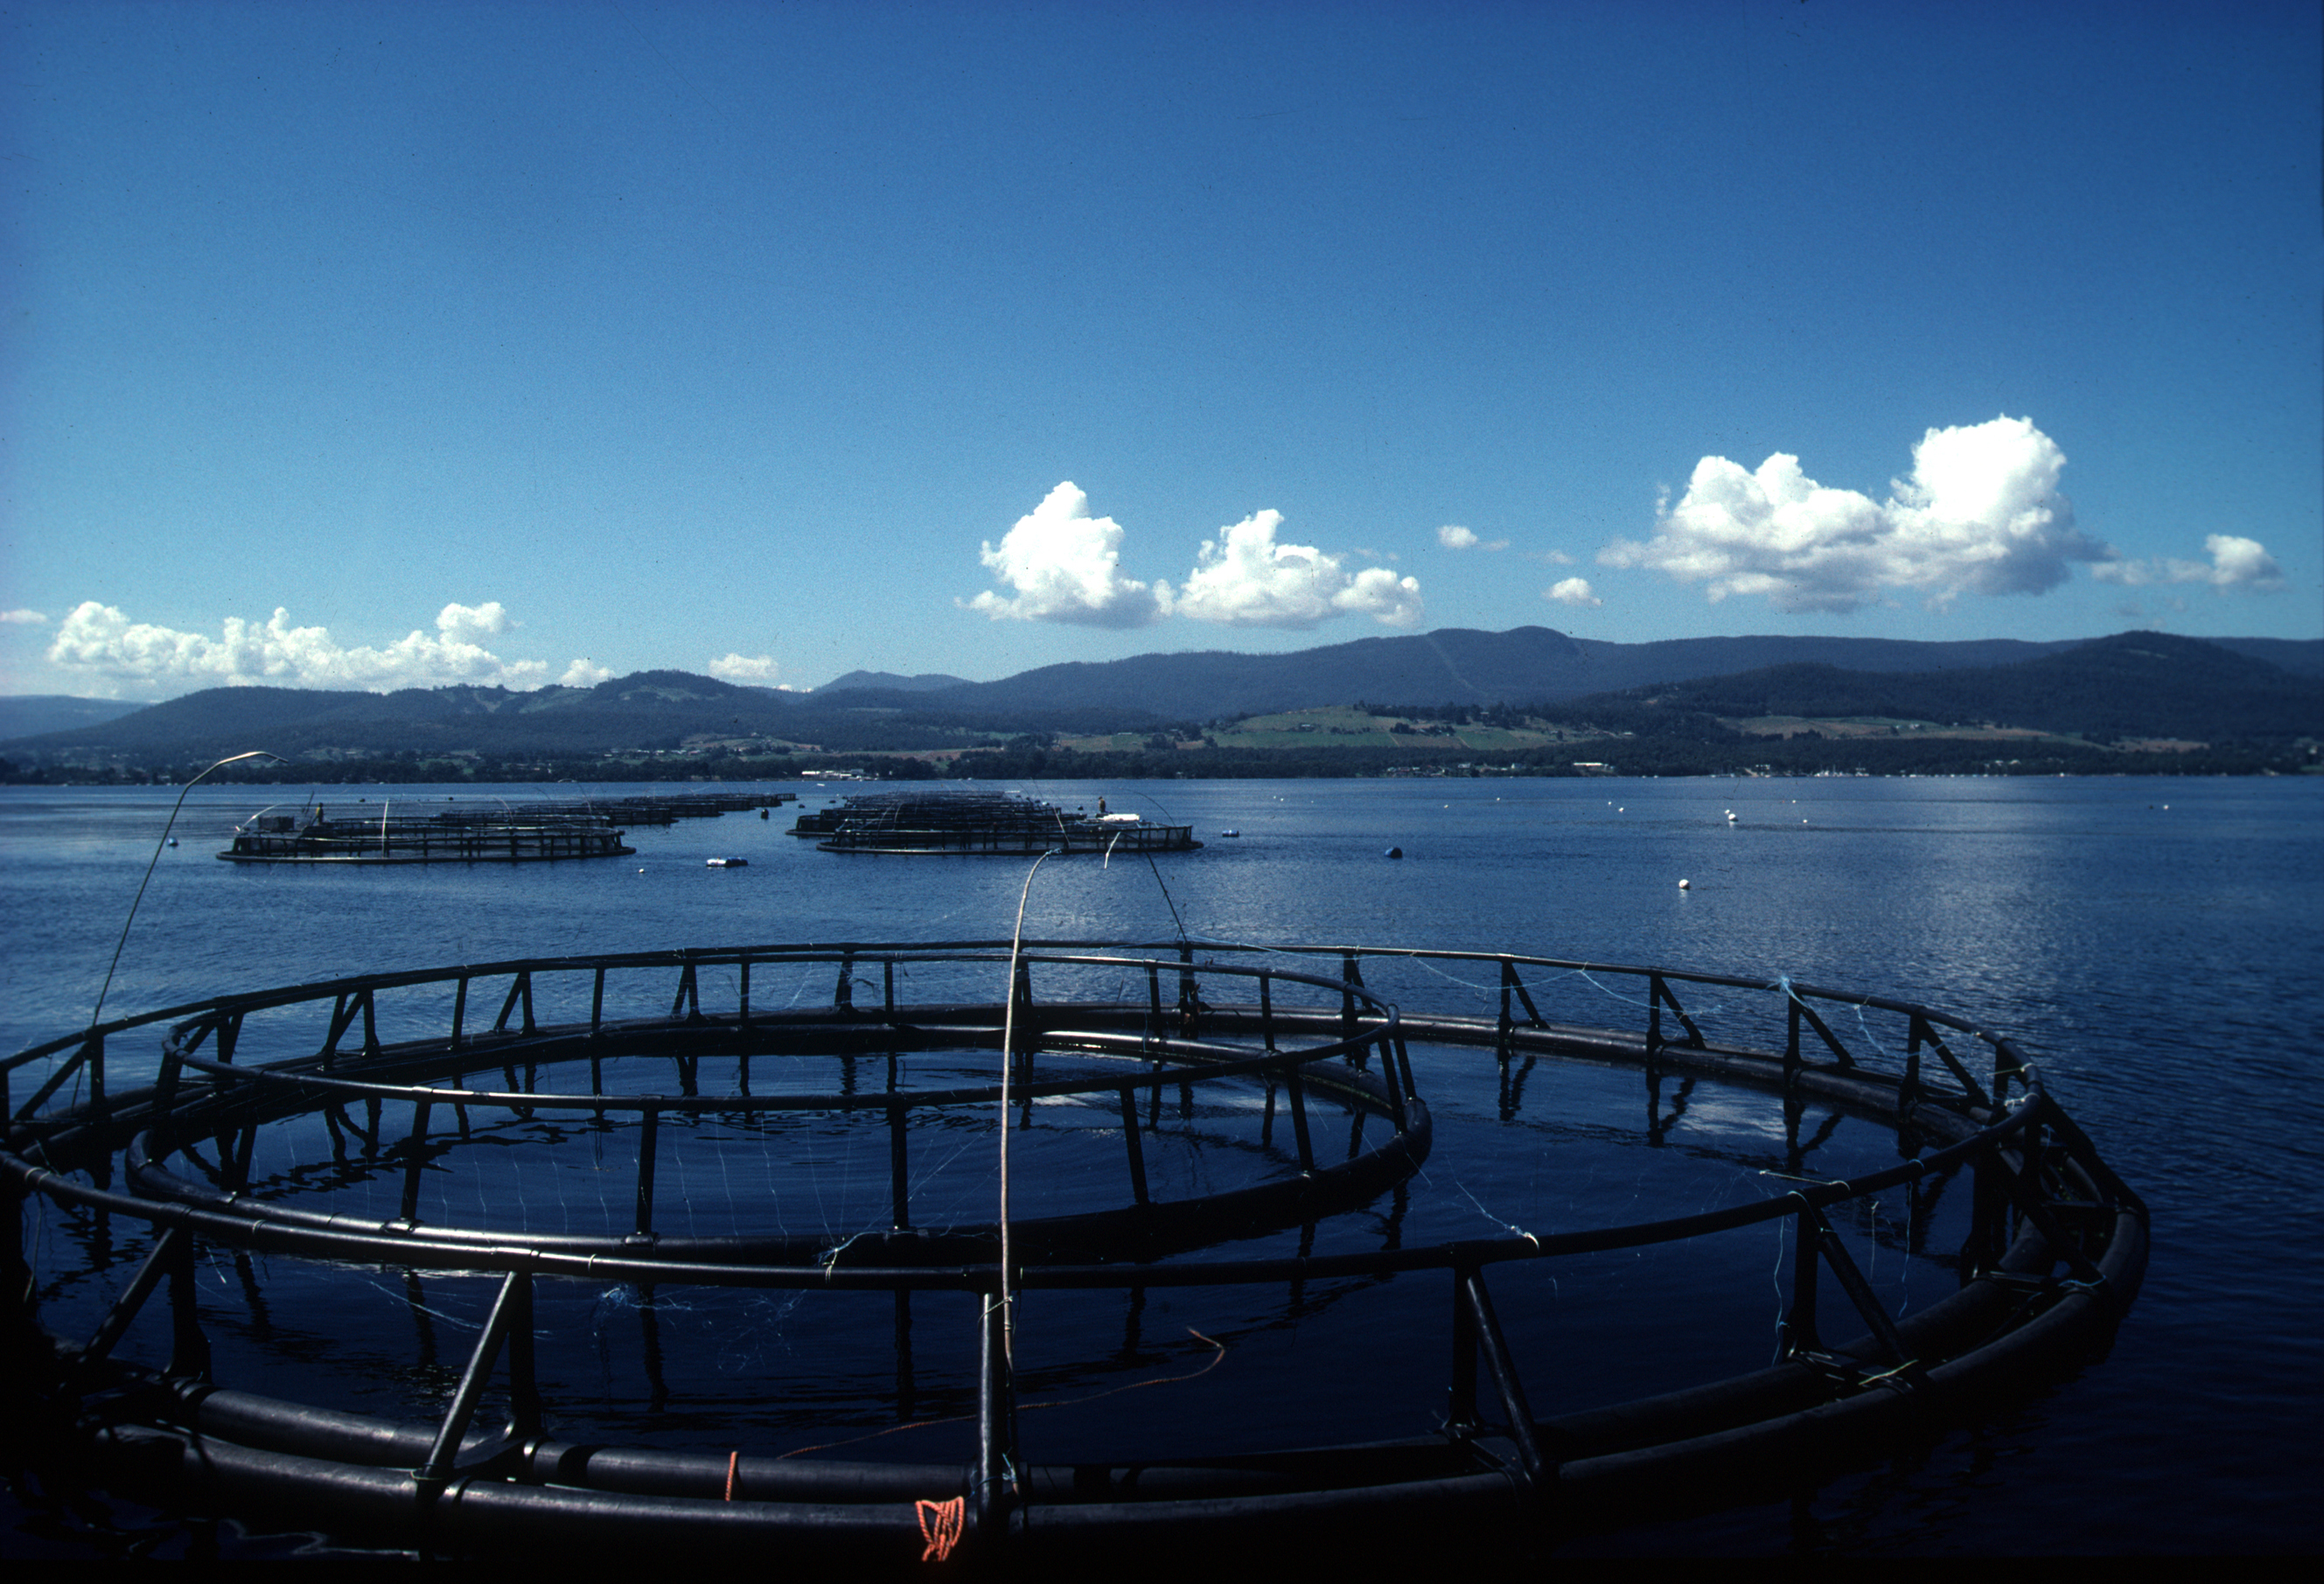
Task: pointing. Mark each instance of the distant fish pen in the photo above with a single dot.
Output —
(649, 808)
(1000, 824)
(475, 832)
(746, 1271)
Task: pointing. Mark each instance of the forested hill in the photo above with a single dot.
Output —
(1523, 666)
(2132, 684)
(1526, 664)
(650, 709)
(30, 714)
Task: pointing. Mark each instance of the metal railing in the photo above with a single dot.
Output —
(2056, 1244)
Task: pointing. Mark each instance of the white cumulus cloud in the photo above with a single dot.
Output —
(1979, 514)
(1064, 565)
(1571, 590)
(20, 617)
(1244, 578)
(2237, 562)
(108, 649)
(585, 672)
(739, 667)
(1456, 537)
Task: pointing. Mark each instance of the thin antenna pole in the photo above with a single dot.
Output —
(1008, 1050)
(103, 991)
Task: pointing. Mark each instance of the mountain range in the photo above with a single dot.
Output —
(1454, 665)
(2129, 685)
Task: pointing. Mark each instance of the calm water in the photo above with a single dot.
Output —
(2157, 945)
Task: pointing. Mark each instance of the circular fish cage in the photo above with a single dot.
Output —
(602, 1254)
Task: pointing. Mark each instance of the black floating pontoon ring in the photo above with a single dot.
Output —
(636, 1125)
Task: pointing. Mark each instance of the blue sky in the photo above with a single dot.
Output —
(520, 344)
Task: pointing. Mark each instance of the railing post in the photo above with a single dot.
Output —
(1137, 1148)
(511, 1322)
(900, 1181)
(1987, 1198)
(1540, 1476)
(524, 1387)
(1860, 1292)
(1461, 1412)
(1393, 1073)
(1020, 990)
(416, 1149)
(647, 1139)
(520, 992)
(164, 1130)
(1799, 1322)
(164, 1258)
(189, 1349)
(1292, 1087)
(237, 1172)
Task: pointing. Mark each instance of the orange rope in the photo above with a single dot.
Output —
(940, 1526)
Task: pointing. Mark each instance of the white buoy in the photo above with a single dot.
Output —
(1686, 885)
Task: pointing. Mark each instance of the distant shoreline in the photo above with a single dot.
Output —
(1772, 759)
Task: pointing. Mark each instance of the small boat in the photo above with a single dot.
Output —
(1230, 832)
(730, 863)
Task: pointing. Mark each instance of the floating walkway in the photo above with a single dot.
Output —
(1231, 1126)
(1000, 824)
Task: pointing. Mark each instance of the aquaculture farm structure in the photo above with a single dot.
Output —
(495, 832)
(876, 1227)
(998, 824)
